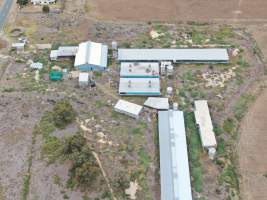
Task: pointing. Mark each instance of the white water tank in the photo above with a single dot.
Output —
(169, 70)
(212, 153)
(175, 106)
(114, 45)
(169, 90)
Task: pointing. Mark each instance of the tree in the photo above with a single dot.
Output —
(46, 9)
(22, 2)
(84, 169)
(64, 114)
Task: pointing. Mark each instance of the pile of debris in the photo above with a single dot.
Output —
(218, 79)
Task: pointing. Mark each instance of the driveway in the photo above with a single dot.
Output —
(4, 12)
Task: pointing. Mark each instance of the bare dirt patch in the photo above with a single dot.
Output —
(253, 140)
(252, 151)
(180, 10)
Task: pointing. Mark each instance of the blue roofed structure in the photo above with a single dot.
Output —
(91, 56)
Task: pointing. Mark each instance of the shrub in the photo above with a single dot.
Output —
(22, 2)
(46, 9)
(64, 114)
(84, 169)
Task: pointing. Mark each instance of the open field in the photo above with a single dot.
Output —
(252, 144)
(252, 151)
(182, 10)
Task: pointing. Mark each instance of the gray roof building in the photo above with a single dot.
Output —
(211, 55)
(174, 167)
(139, 87)
(139, 70)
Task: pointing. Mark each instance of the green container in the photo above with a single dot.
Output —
(56, 75)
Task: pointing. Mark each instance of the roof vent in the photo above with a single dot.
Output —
(149, 84)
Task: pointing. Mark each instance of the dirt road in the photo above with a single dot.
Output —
(253, 152)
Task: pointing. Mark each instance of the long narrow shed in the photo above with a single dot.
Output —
(174, 167)
(203, 119)
(139, 87)
(185, 55)
(139, 70)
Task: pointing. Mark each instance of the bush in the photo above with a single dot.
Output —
(84, 170)
(64, 114)
(46, 9)
(22, 2)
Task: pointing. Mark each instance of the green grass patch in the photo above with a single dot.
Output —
(221, 146)
(229, 125)
(224, 33)
(242, 104)
(194, 150)
(144, 158)
(139, 129)
(99, 103)
(229, 177)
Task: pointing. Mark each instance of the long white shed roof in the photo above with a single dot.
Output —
(139, 86)
(176, 55)
(139, 69)
(91, 53)
(174, 166)
(203, 119)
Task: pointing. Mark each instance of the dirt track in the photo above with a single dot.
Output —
(181, 10)
(252, 151)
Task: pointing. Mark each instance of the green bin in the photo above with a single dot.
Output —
(56, 75)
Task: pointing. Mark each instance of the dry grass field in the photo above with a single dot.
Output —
(252, 151)
(181, 10)
(252, 143)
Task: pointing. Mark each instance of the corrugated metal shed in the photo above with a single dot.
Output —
(174, 167)
(67, 51)
(64, 51)
(203, 119)
(139, 70)
(139, 86)
(128, 108)
(175, 55)
(91, 56)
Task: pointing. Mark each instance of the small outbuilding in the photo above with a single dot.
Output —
(36, 65)
(18, 46)
(91, 56)
(158, 103)
(128, 108)
(83, 79)
(63, 52)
